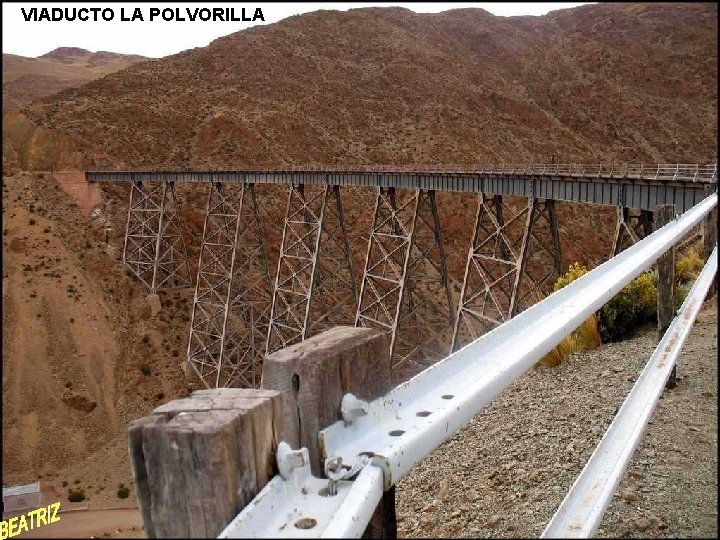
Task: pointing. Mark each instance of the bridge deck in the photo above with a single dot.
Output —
(635, 186)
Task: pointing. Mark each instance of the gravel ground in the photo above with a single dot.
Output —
(506, 472)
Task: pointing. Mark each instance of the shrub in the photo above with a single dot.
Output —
(64, 484)
(76, 495)
(633, 306)
(688, 267)
(586, 336)
(145, 369)
(575, 271)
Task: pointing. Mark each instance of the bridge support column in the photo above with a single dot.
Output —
(154, 248)
(666, 284)
(405, 289)
(540, 260)
(709, 238)
(314, 285)
(232, 296)
(509, 261)
(631, 227)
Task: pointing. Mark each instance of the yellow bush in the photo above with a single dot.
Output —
(586, 336)
(688, 267)
(574, 271)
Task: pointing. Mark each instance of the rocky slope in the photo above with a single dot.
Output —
(26, 79)
(386, 85)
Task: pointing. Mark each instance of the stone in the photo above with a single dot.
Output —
(472, 495)
(493, 521)
(642, 524)
(444, 491)
(628, 495)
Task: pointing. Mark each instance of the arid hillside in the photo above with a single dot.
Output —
(385, 85)
(26, 79)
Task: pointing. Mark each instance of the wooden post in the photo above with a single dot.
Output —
(709, 234)
(313, 376)
(198, 461)
(664, 214)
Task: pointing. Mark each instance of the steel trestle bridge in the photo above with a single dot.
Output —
(241, 312)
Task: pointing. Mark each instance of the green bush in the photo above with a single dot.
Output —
(123, 492)
(76, 495)
(633, 306)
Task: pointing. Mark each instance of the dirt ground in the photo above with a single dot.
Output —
(506, 471)
(121, 523)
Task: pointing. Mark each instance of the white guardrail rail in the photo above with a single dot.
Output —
(379, 442)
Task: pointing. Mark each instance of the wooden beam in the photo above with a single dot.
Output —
(198, 461)
(709, 234)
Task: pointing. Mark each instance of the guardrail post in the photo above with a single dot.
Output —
(709, 235)
(664, 214)
(314, 375)
(198, 461)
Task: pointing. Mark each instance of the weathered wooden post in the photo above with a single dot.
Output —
(313, 376)
(664, 214)
(198, 461)
(709, 235)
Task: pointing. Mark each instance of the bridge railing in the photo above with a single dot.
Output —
(379, 442)
(633, 171)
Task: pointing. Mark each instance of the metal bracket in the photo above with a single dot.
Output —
(296, 504)
(288, 460)
(352, 408)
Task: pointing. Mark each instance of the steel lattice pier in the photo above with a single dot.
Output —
(232, 298)
(314, 283)
(154, 247)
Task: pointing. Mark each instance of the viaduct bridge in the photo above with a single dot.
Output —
(240, 313)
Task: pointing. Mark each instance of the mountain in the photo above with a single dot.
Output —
(385, 85)
(26, 79)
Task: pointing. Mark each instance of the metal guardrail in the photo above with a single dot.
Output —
(632, 171)
(581, 512)
(386, 438)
